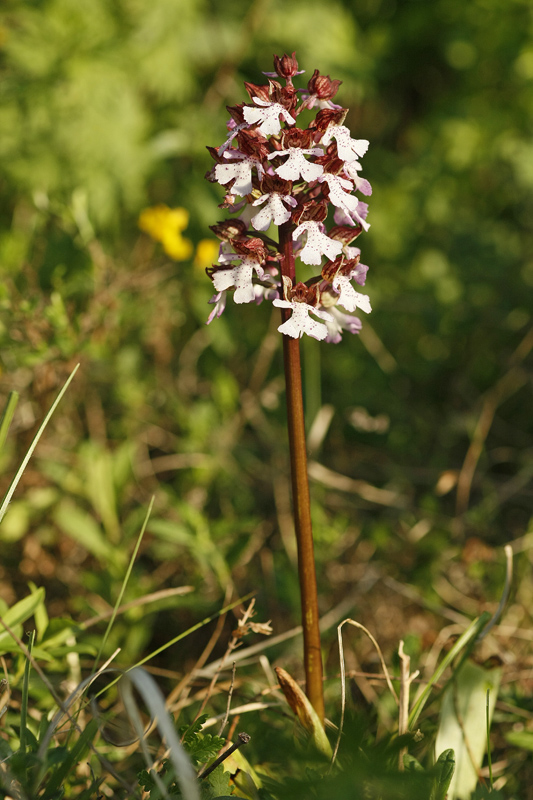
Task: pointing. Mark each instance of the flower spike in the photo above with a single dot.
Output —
(305, 182)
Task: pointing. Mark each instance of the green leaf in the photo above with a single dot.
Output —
(443, 773)
(146, 780)
(205, 747)
(219, 781)
(17, 614)
(189, 733)
(82, 527)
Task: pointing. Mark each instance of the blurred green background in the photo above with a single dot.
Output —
(106, 108)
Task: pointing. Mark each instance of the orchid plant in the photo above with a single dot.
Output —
(278, 175)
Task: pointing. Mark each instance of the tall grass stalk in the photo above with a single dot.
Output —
(124, 584)
(9, 410)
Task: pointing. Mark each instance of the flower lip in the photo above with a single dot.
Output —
(267, 115)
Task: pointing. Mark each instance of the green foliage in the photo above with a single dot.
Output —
(50, 775)
(201, 748)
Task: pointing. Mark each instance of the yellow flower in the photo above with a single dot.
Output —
(206, 253)
(165, 225)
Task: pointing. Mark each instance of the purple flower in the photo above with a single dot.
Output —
(219, 301)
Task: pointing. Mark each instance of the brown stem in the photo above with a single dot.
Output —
(300, 496)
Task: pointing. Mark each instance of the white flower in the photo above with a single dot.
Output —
(274, 210)
(268, 116)
(242, 172)
(297, 165)
(348, 149)
(337, 195)
(318, 244)
(300, 322)
(240, 277)
(349, 298)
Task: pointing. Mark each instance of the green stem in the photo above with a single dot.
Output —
(300, 495)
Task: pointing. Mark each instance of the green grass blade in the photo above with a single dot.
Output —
(467, 640)
(54, 783)
(33, 445)
(7, 416)
(24, 702)
(124, 584)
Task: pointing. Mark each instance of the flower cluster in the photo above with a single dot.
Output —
(276, 173)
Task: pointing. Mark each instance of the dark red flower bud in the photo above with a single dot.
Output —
(344, 233)
(229, 228)
(262, 92)
(330, 162)
(273, 183)
(327, 117)
(322, 86)
(286, 67)
(288, 97)
(313, 294)
(252, 246)
(295, 137)
(253, 143)
(332, 268)
(315, 211)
